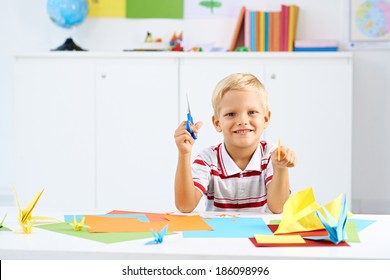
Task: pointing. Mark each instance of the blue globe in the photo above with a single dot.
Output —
(67, 13)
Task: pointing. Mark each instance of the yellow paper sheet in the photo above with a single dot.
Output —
(279, 239)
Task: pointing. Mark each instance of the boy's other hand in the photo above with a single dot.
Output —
(287, 158)
(183, 138)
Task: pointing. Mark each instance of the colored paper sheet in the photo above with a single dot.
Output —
(106, 237)
(141, 217)
(108, 224)
(152, 217)
(186, 223)
(318, 232)
(361, 224)
(232, 227)
(106, 8)
(154, 9)
(274, 222)
(353, 236)
(352, 233)
(309, 243)
(279, 239)
(175, 223)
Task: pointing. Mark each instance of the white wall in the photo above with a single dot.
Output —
(25, 27)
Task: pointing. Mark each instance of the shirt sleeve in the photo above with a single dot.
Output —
(201, 173)
(266, 163)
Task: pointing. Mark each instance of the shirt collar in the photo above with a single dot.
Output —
(229, 167)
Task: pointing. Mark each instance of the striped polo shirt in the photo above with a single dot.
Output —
(226, 186)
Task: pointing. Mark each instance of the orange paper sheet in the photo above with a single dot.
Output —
(153, 217)
(175, 223)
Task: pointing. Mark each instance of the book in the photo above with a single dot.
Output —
(284, 22)
(262, 31)
(266, 31)
(292, 26)
(274, 31)
(315, 49)
(238, 39)
(253, 29)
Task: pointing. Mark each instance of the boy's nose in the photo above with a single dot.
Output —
(242, 123)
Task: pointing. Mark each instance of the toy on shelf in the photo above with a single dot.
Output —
(151, 44)
(176, 42)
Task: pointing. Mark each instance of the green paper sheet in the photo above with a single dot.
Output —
(352, 234)
(274, 222)
(109, 237)
(154, 9)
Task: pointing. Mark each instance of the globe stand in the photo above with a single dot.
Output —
(69, 45)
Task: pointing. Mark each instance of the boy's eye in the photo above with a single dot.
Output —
(252, 112)
(230, 114)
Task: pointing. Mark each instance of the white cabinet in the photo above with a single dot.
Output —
(96, 130)
(54, 132)
(136, 115)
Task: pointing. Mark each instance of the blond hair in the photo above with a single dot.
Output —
(241, 82)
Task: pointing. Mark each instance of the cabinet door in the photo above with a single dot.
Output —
(54, 132)
(311, 105)
(137, 113)
(198, 78)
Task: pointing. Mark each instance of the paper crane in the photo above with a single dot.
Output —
(158, 236)
(25, 217)
(2, 221)
(336, 229)
(78, 226)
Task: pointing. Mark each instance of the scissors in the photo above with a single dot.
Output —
(190, 121)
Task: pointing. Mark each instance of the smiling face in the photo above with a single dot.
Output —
(242, 117)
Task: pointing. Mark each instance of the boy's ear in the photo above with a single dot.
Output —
(217, 124)
(267, 117)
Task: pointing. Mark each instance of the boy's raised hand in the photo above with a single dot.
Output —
(287, 157)
(183, 138)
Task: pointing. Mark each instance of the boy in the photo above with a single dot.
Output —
(243, 173)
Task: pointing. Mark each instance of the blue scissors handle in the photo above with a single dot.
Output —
(188, 125)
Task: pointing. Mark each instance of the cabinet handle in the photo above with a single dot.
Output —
(273, 76)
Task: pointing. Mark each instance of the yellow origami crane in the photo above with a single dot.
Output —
(78, 226)
(299, 212)
(25, 217)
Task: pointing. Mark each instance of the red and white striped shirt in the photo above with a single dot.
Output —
(227, 187)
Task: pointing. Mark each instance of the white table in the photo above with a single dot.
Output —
(43, 244)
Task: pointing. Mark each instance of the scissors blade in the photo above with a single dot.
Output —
(188, 104)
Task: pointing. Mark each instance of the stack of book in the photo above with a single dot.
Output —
(266, 31)
(315, 46)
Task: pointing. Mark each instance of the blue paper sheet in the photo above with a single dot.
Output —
(231, 227)
(141, 217)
